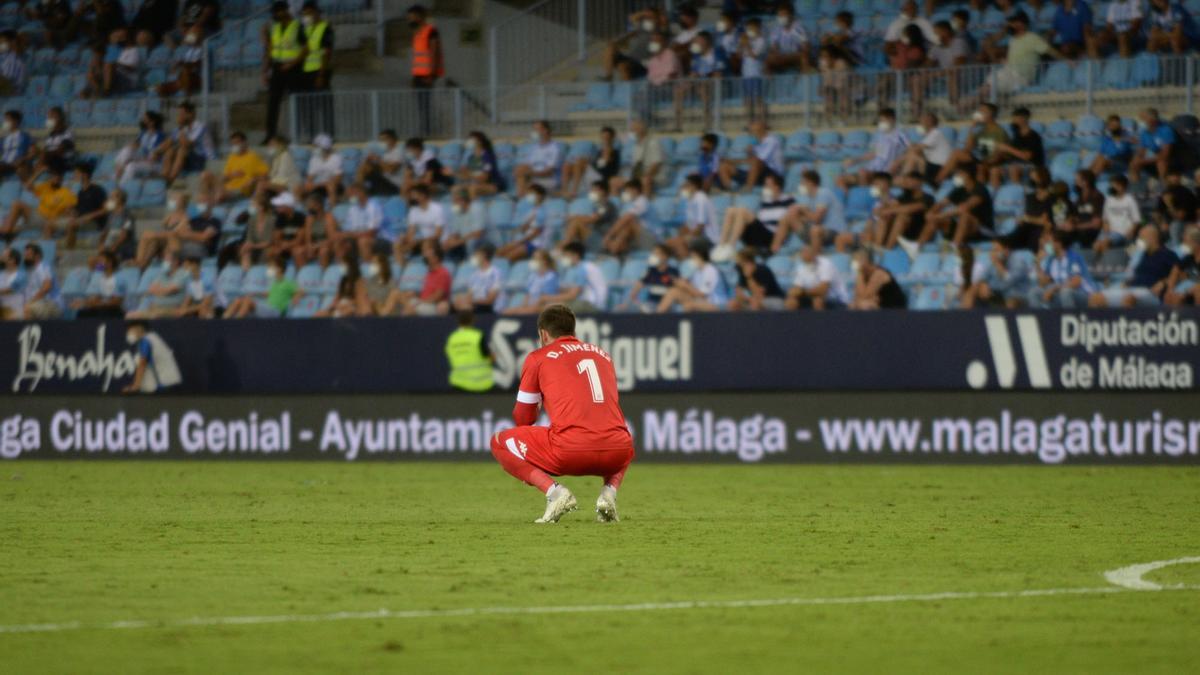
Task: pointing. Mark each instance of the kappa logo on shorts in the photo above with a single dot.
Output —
(516, 447)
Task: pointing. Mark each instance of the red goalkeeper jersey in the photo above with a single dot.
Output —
(576, 383)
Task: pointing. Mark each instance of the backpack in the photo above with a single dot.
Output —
(1185, 155)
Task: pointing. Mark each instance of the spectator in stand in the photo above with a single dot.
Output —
(1121, 217)
(949, 52)
(982, 140)
(964, 214)
(97, 19)
(320, 234)
(930, 153)
(1083, 229)
(40, 292)
(755, 230)
(704, 290)
(110, 294)
(647, 160)
(533, 232)
(88, 211)
(383, 173)
(57, 21)
(658, 280)
(818, 216)
(688, 19)
(156, 242)
(543, 281)
(583, 286)
(909, 16)
(628, 228)
(119, 238)
(817, 283)
(752, 53)
(421, 167)
(602, 216)
(284, 175)
(282, 294)
(704, 65)
(960, 21)
(325, 170)
(464, 231)
(1183, 286)
(663, 66)
(543, 164)
(887, 151)
(364, 225)
(845, 38)
(17, 150)
(787, 42)
(1116, 148)
(699, 221)
(190, 146)
(1025, 52)
(154, 19)
(1147, 278)
(603, 165)
(763, 157)
(1063, 279)
(200, 297)
(426, 223)
(199, 239)
(165, 295)
(1156, 147)
(726, 40)
(54, 208)
(911, 53)
(143, 156)
(434, 298)
(835, 68)
(1024, 152)
(484, 285)
(1176, 208)
(57, 151)
(378, 282)
(757, 288)
(260, 236)
(204, 15)
(875, 287)
(1172, 29)
(12, 280)
(186, 66)
(120, 69)
(900, 221)
(14, 67)
(627, 54)
(1006, 279)
(1123, 27)
(480, 170)
(351, 297)
(1071, 32)
(243, 171)
(708, 162)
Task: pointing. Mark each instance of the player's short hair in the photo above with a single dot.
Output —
(557, 321)
(466, 318)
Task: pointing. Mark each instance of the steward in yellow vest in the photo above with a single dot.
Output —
(469, 357)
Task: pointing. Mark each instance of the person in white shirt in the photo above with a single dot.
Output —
(930, 153)
(787, 42)
(426, 220)
(422, 167)
(364, 223)
(12, 300)
(888, 146)
(908, 15)
(583, 287)
(383, 173)
(700, 218)
(817, 283)
(1123, 27)
(1121, 216)
(764, 157)
(466, 225)
(533, 231)
(628, 228)
(324, 170)
(704, 290)
(543, 164)
(483, 288)
(41, 298)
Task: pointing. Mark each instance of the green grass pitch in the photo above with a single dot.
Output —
(88, 544)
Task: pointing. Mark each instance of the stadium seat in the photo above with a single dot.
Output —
(1009, 200)
(1089, 132)
(1059, 135)
(896, 261)
(229, 281)
(413, 275)
(798, 145)
(75, 283)
(929, 298)
(500, 213)
(306, 308)
(859, 203)
(309, 278)
(1064, 165)
(331, 276)
(255, 282)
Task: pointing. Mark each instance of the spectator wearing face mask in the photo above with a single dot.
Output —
(725, 42)
(763, 157)
(708, 163)
(289, 224)
(483, 286)
(787, 42)
(189, 148)
(663, 67)
(14, 67)
(845, 38)
(818, 217)
(40, 295)
(325, 170)
(603, 164)
(185, 68)
(378, 282)
(752, 53)
(156, 371)
(700, 219)
(281, 295)
(1063, 278)
(983, 138)
(434, 298)
(320, 235)
(757, 288)
(899, 220)
(1116, 148)
(143, 156)
(1071, 30)
(383, 172)
(543, 163)
(1158, 147)
(200, 296)
(283, 175)
(57, 150)
(703, 290)
(534, 230)
(480, 170)
(887, 150)
(365, 227)
(260, 232)
(1024, 152)
(628, 228)
(202, 15)
(1004, 279)
(351, 297)
(754, 229)
(464, 229)
(603, 214)
(583, 287)
(1037, 219)
(1183, 285)
(1026, 49)
(17, 150)
(964, 214)
(817, 283)
(1146, 278)
(543, 282)
(118, 70)
(161, 240)
(1085, 227)
(908, 16)
(426, 222)
(199, 239)
(837, 87)
(53, 211)
(1176, 207)
(1122, 27)
(1172, 30)
(242, 172)
(165, 296)
(930, 153)
(627, 53)
(1121, 216)
(705, 69)
(647, 293)
(874, 286)
(422, 167)
(88, 212)
(119, 237)
(106, 296)
(647, 159)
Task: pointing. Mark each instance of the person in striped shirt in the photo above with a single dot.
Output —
(186, 67)
(13, 68)
(142, 156)
(16, 148)
(190, 147)
(751, 228)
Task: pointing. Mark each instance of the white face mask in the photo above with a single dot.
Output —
(531, 199)
(855, 267)
(648, 25)
(752, 33)
(769, 195)
(876, 192)
(238, 149)
(904, 39)
(7, 127)
(4, 48)
(110, 205)
(49, 123)
(958, 25)
(808, 190)
(722, 26)
(906, 16)
(627, 197)
(470, 145)
(697, 49)
(272, 273)
(535, 137)
(190, 39)
(535, 265)
(172, 205)
(272, 151)
(977, 117)
(1187, 249)
(253, 209)
(783, 20)
(166, 265)
(884, 126)
(922, 130)
(373, 269)
(1141, 245)
(655, 47)
(595, 197)
(308, 21)
(1048, 248)
(458, 209)
(686, 194)
(959, 181)
(130, 337)
(654, 260)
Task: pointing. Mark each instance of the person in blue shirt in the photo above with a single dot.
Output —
(16, 148)
(1063, 278)
(1071, 30)
(817, 217)
(1156, 140)
(1004, 280)
(704, 77)
(647, 292)
(726, 40)
(960, 21)
(708, 164)
(1171, 28)
(1149, 271)
(844, 37)
(1116, 148)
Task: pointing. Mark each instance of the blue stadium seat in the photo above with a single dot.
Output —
(1089, 132)
(687, 151)
(331, 276)
(667, 211)
(518, 275)
(924, 268)
(75, 283)
(229, 281)
(828, 144)
(309, 278)
(1117, 74)
(750, 202)
(742, 143)
(855, 143)
(781, 266)
(1059, 135)
(896, 261)
(1009, 200)
(597, 97)
(306, 307)
(413, 275)
(395, 209)
(1064, 165)
(930, 298)
(159, 57)
(859, 203)
(1146, 70)
(581, 206)
(153, 192)
(799, 145)
(255, 282)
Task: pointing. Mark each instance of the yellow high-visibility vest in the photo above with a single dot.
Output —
(316, 55)
(470, 370)
(285, 41)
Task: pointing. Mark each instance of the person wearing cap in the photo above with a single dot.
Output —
(427, 62)
(283, 67)
(316, 112)
(289, 224)
(325, 170)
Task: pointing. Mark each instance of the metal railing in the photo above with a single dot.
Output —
(845, 99)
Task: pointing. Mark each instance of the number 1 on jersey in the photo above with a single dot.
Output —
(588, 366)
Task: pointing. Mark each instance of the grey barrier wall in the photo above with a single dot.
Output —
(985, 427)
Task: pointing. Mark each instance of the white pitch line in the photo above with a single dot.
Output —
(1131, 577)
(569, 609)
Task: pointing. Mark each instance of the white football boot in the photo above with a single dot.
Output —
(559, 501)
(606, 506)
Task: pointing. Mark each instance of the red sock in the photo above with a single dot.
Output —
(520, 469)
(614, 481)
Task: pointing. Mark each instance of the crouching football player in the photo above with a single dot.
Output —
(587, 436)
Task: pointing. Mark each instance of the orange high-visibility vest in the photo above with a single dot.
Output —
(423, 64)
